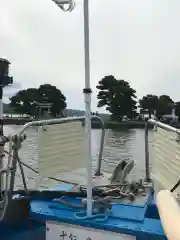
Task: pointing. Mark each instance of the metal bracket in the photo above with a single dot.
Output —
(155, 128)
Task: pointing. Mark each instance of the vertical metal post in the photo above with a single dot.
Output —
(98, 169)
(87, 93)
(5, 80)
(1, 135)
(147, 178)
(1, 110)
(87, 99)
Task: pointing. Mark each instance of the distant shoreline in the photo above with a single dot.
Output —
(117, 125)
(95, 124)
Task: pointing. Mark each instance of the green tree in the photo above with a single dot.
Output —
(54, 96)
(177, 109)
(149, 103)
(165, 104)
(117, 96)
(23, 101)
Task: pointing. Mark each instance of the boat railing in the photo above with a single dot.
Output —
(162, 155)
(71, 119)
(20, 136)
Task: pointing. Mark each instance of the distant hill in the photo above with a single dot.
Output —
(74, 112)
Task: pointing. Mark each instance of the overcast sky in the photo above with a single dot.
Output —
(134, 40)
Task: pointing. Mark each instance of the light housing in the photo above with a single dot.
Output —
(5, 79)
(65, 5)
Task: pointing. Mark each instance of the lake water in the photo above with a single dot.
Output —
(119, 145)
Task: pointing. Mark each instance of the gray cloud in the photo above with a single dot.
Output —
(135, 40)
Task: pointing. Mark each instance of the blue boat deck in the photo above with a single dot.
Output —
(140, 220)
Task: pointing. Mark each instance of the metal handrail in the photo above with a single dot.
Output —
(18, 136)
(164, 126)
(64, 120)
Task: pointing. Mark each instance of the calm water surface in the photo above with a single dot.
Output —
(119, 145)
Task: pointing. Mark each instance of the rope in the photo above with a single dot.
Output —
(37, 172)
(102, 201)
(98, 217)
(175, 186)
(100, 207)
(68, 204)
(22, 172)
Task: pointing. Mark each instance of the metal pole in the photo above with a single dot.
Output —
(147, 153)
(87, 93)
(1, 111)
(87, 98)
(100, 157)
(5, 80)
(1, 135)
